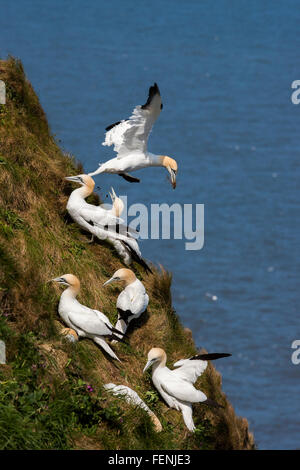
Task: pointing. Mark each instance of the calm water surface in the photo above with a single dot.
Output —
(225, 70)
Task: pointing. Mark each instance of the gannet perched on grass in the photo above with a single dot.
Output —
(130, 137)
(103, 223)
(176, 386)
(86, 322)
(132, 301)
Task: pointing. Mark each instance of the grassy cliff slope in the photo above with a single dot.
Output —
(45, 401)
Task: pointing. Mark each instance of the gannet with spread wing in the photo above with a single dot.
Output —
(176, 386)
(86, 322)
(132, 301)
(129, 138)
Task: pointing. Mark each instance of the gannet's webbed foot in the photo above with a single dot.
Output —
(129, 178)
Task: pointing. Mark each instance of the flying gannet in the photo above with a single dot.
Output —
(176, 386)
(132, 301)
(103, 223)
(86, 322)
(130, 137)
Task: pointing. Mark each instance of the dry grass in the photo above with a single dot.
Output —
(38, 242)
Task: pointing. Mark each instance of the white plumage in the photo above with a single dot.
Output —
(86, 322)
(132, 301)
(176, 386)
(129, 138)
(105, 224)
(133, 398)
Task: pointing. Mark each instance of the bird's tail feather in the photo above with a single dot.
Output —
(97, 171)
(115, 330)
(187, 414)
(100, 341)
(136, 257)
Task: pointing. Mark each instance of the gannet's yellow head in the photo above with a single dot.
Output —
(118, 204)
(171, 165)
(68, 280)
(83, 180)
(122, 274)
(155, 356)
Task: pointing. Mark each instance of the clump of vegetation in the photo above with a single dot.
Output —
(51, 391)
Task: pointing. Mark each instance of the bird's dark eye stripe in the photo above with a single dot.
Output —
(62, 279)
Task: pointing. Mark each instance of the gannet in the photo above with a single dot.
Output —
(103, 223)
(133, 398)
(176, 386)
(86, 322)
(132, 301)
(130, 137)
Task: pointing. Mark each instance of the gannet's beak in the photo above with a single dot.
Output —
(149, 364)
(109, 281)
(74, 179)
(173, 177)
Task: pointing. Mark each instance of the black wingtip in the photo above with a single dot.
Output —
(136, 257)
(108, 128)
(115, 330)
(153, 90)
(129, 178)
(209, 357)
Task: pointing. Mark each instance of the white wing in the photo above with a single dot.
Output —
(130, 243)
(123, 301)
(189, 369)
(131, 135)
(91, 321)
(99, 216)
(182, 389)
(139, 303)
(136, 303)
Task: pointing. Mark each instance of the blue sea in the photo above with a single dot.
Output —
(225, 70)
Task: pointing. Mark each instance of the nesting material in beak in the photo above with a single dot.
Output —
(173, 177)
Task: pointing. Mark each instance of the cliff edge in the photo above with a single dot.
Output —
(51, 394)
